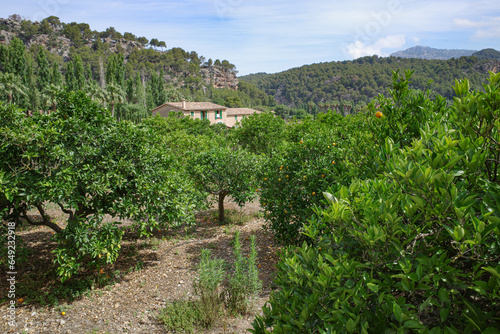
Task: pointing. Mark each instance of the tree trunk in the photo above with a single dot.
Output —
(222, 195)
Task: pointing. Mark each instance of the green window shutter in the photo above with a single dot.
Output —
(192, 113)
(235, 116)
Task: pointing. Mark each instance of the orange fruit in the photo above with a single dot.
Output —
(101, 271)
(379, 114)
(279, 179)
(314, 193)
(333, 144)
(21, 300)
(301, 142)
(287, 176)
(265, 179)
(322, 175)
(63, 313)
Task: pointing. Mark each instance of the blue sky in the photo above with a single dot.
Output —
(275, 35)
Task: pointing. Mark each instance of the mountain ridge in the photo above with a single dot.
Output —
(427, 52)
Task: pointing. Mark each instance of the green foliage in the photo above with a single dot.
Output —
(181, 315)
(236, 299)
(242, 287)
(403, 112)
(222, 171)
(319, 154)
(414, 249)
(244, 284)
(363, 79)
(259, 133)
(209, 287)
(56, 158)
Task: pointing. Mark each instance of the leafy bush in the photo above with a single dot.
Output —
(90, 165)
(180, 315)
(414, 250)
(259, 133)
(320, 154)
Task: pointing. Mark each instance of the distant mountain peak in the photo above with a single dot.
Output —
(426, 52)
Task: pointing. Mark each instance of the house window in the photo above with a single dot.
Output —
(217, 114)
(192, 113)
(236, 117)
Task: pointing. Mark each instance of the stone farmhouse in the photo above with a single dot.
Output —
(206, 110)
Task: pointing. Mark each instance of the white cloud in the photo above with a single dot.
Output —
(360, 49)
(465, 23)
(487, 27)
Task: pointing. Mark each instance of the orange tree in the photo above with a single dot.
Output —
(401, 116)
(259, 133)
(90, 165)
(320, 153)
(222, 171)
(413, 250)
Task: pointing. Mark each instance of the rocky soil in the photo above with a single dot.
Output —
(148, 275)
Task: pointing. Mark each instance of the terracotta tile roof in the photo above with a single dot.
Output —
(192, 106)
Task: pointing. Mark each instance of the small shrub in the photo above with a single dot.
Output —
(236, 290)
(208, 287)
(244, 284)
(181, 315)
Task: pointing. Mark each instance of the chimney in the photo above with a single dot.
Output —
(183, 103)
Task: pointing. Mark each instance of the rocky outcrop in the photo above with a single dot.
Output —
(56, 42)
(493, 65)
(219, 77)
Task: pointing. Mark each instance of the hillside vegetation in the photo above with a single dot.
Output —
(128, 74)
(328, 85)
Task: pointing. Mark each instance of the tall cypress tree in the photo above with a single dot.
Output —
(33, 94)
(55, 76)
(140, 91)
(43, 79)
(79, 73)
(110, 70)
(115, 70)
(70, 77)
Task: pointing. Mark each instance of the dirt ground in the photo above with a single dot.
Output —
(147, 275)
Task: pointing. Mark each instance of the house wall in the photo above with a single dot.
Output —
(211, 116)
(231, 121)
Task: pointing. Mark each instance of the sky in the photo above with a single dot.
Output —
(275, 35)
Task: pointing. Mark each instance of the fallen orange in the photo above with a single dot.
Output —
(379, 114)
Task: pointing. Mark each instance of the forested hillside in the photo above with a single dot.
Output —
(358, 81)
(128, 74)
